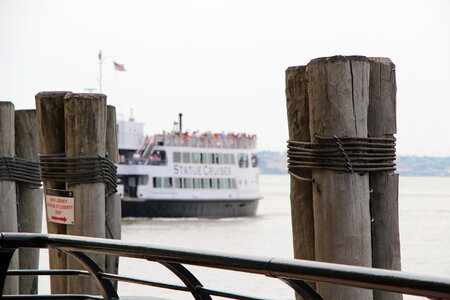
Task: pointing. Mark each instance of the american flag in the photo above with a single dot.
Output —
(119, 67)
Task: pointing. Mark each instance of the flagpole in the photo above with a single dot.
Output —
(100, 71)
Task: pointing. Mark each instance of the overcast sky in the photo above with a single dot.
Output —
(222, 63)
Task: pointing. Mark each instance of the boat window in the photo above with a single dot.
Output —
(186, 157)
(215, 158)
(195, 158)
(243, 160)
(177, 157)
(226, 159)
(214, 184)
(167, 182)
(143, 180)
(254, 160)
(233, 183)
(223, 183)
(157, 182)
(197, 183)
(157, 157)
(187, 183)
(233, 161)
(206, 183)
(209, 158)
(178, 183)
(202, 158)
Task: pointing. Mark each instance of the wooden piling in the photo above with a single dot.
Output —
(113, 203)
(301, 190)
(85, 122)
(50, 117)
(8, 210)
(338, 91)
(29, 197)
(384, 185)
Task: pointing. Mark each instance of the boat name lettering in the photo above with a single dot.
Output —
(183, 170)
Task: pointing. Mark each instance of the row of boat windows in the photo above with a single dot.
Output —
(214, 158)
(194, 183)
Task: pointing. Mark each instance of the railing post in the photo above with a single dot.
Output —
(8, 209)
(384, 185)
(301, 190)
(113, 202)
(50, 116)
(338, 91)
(29, 197)
(85, 134)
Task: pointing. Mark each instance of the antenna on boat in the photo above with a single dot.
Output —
(100, 62)
(131, 115)
(180, 115)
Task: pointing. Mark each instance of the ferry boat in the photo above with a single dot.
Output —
(178, 174)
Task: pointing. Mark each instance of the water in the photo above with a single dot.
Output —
(424, 229)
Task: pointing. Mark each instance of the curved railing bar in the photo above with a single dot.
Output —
(5, 259)
(302, 288)
(188, 279)
(362, 277)
(105, 286)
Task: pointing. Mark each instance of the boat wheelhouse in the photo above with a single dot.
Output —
(187, 175)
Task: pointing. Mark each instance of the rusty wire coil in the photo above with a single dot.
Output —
(20, 170)
(345, 154)
(81, 169)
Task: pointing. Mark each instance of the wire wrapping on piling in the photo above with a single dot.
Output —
(345, 154)
(81, 169)
(20, 170)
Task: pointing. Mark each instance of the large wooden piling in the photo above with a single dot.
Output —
(29, 197)
(8, 210)
(301, 190)
(338, 91)
(384, 185)
(50, 117)
(85, 124)
(113, 202)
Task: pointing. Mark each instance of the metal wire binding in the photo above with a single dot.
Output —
(80, 169)
(20, 170)
(344, 154)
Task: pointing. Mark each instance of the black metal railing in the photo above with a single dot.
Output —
(292, 272)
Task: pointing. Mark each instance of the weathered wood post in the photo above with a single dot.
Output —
(384, 185)
(8, 210)
(301, 185)
(29, 196)
(113, 201)
(85, 124)
(50, 116)
(338, 91)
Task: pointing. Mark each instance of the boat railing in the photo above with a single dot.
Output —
(207, 142)
(290, 271)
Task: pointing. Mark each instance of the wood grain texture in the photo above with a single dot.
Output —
(338, 89)
(85, 132)
(300, 191)
(8, 210)
(29, 197)
(113, 205)
(384, 185)
(50, 120)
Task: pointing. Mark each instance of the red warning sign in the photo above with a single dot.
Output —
(60, 206)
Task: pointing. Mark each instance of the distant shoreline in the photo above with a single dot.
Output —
(275, 163)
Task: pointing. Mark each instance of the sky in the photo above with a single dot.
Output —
(222, 63)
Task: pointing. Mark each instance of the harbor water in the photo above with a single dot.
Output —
(424, 229)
